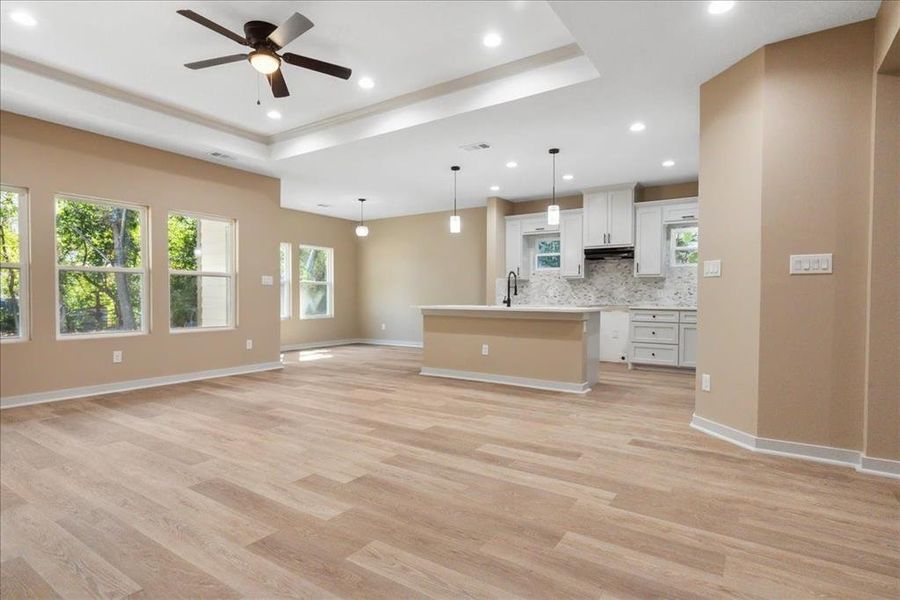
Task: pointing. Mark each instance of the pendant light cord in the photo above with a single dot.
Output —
(554, 179)
(454, 193)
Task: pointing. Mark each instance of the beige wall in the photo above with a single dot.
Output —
(47, 159)
(540, 205)
(339, 234)
(882, 408)
(688, 189)
(814, 199)
(408, 261)
(731, 117)
(495, 246)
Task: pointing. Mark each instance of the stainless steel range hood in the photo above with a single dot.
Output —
(608, 253)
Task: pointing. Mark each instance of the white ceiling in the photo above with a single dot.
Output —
(644, 61)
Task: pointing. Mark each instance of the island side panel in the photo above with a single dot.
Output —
(547, 349)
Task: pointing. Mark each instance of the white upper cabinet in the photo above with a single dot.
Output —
(571, 246)
(648, 249)
(609, 216)
(514, 246)
(682, 211)
(538, 224)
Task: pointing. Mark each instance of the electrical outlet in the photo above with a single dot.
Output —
(117, 356)
(705, 382)
(267, 280)
(249, 344)
(484, 349)
(383, 326)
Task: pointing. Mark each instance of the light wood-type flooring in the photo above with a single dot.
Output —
(349, 475)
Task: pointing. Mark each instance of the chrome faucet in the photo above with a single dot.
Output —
(515, 288)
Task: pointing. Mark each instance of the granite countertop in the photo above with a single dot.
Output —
(657, 307)
(513, 308)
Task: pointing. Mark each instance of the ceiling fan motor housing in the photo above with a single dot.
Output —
(257, 34)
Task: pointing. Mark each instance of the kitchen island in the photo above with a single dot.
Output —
(544, 347)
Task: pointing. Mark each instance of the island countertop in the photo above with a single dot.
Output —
(522, 311)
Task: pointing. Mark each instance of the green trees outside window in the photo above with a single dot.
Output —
(13, 236)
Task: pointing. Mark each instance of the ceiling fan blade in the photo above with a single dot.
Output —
(213, 62)
(290, 30)
(279, 87)
(317, 65)
(214, 26)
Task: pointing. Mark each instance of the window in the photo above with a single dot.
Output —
(316, 282)
(285, 270)
(201, 271)
(13, 264)
(546, 255)
(101, 267)
(684, 245)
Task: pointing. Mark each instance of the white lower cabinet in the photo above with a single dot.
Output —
(687, 345)
(664, 337)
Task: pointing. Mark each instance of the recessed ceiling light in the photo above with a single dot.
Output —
(568, 177)
(668, 163)
(23, 18)
(512, 164)
(719, 7)
(366, 83)
(492, 40)
(638, 126)
(495, 188)
(273, 114)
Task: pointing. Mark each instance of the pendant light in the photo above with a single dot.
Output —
(553, 209)
(361, 229)
(455, 224)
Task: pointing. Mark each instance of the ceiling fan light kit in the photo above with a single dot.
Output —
(266, 39)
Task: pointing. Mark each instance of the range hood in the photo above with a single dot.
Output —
(608, 253)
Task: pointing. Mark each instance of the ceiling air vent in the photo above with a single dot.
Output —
(221, 156)
(476, 146)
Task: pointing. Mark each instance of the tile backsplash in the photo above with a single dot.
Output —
(607, 282)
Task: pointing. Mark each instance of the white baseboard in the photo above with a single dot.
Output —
(313, 345)
(349, 341)
(401, 343)
(537, 384)
(824, 454)
(132, 384)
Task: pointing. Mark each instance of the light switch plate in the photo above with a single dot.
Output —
(810, 264)
(268, 280)
(705, 382)
(712, 268)
(484, 349)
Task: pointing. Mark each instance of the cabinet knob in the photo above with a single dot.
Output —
(652, 333)
(653, 354)
(653, 316)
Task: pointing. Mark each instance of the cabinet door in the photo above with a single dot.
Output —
(514, 246)
(538, 224)
(621, 218)
(648, 247)
(571, 246)
(596, 219)
(687, 346)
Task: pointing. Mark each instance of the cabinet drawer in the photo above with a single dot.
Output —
(689, 316)
(654, 354)
(655, 316)
(660, 333)
(680, 213)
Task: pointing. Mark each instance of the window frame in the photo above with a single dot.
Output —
(232, 276)
(286, 280)
(536, 255)
(673, 247)
(329, 282)
(144, 269)
(24, 265)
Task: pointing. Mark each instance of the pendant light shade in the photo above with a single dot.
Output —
(553, 209)
(361, 229)
(455, 222)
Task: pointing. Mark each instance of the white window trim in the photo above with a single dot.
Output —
(286, 310)
(232, 275)
(144, 270)
(24, 266)
(537, 254)
(672, 247)
(329, 282)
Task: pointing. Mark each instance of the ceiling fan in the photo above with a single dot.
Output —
(266, 39)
